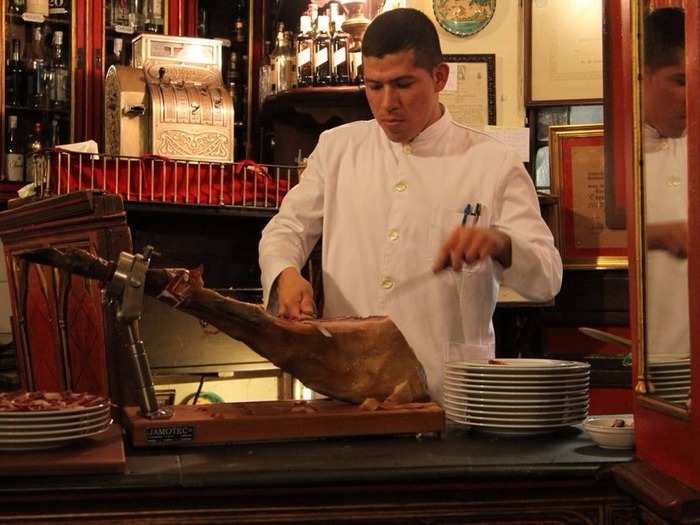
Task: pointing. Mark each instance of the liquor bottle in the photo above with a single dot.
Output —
(282, 62)
(38, 7)
(116, 57)
(340, 59)
(265, 77)
(37, 74)
(14, 160)
(233, 81)
(239, 30)
(322, 49)
(33, 159)
(154, 16)
(17, 7)
(15, 80)
(55, 132)
(202, 22)
(58, 74)
(304, 51)
(313, 13)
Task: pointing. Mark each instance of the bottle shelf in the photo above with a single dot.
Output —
(27, 109)
(52, 20)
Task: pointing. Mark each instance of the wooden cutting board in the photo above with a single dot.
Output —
(94, 455)
(278, 420)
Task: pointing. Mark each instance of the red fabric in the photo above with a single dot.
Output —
(157, 179)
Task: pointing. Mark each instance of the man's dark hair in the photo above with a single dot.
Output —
(401, 30)
(664, 37)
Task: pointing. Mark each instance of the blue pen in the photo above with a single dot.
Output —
(467, 212)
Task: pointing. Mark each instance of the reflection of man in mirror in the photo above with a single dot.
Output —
(665, 184)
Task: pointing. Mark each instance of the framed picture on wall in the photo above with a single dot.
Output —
(584, 238)
(470, 93)
(563, 52)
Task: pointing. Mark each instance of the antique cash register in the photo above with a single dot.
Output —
(170, 102)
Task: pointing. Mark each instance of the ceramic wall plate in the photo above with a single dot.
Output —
(463, 17)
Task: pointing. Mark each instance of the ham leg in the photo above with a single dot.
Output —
(349, 359)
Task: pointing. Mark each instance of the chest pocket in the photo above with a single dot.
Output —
(443, 222)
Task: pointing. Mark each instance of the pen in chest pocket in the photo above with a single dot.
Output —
(471, 211)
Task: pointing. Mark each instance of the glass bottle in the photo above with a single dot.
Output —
(116, 57)
(58, 74)
(55, 133)
(239, 30)
(15, 77)
(37, 74)
(38, 7)
(34, 160)
(340, 59)
(233, 81)
(14, 160)
(16, 7)
(282, 62)
(265, 78)
(322, 49)
(304, 52)
(202, 22)
(154, 16)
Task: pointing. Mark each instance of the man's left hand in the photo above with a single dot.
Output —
(469, 244)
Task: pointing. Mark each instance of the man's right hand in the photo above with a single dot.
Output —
(295, 296)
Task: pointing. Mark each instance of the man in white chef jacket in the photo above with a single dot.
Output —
(666, 184)
(389, 196)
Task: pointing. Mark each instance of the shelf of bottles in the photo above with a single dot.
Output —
(124, 19)
(37, 83)
(230, 23)
(321, 47)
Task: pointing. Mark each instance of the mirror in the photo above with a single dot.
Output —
(664, 199)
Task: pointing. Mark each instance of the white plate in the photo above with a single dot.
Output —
(512, 430)
(511, 393)
(68, 418)
(42, 443)
(508, 366)
(572, 419)
(63, 413)
(25, 435)
(492, 387)
(509, 379)
(519, 401)
(517, 409)
(52, 425)
(671, 384)
(518, 414)
(535, 407)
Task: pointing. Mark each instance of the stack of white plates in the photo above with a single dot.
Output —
(516, 396)
(671, 378)
(51, 428)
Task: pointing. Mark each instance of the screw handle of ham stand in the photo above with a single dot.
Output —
(126, 287)
(148, 402)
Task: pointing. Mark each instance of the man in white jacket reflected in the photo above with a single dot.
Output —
(411, 194)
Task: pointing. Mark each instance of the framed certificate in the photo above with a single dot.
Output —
(470, 93)
(584, 238)
(563, 52)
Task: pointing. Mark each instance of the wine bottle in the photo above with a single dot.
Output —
(34, 160)
(58, 74)
(322, 49)
(15, 77)
(14, 160)
(304, 52)
(37, 74)
(340, 62)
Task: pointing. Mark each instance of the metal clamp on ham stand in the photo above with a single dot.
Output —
(126, 290)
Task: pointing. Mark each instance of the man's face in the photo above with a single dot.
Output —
(402, 96)
(664, 99)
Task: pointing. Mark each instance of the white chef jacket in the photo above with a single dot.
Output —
(385, 209)
(666, 200)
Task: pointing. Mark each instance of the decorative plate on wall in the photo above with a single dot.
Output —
(464, 17)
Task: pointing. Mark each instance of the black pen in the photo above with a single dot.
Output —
(467, 212)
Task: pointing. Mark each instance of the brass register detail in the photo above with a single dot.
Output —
(174, 105)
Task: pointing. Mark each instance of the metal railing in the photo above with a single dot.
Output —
(243, 184)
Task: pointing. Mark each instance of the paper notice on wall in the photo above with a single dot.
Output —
(517, 138)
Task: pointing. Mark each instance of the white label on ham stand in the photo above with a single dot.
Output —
(169, 434)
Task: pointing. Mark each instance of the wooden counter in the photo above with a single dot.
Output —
(467, 477)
